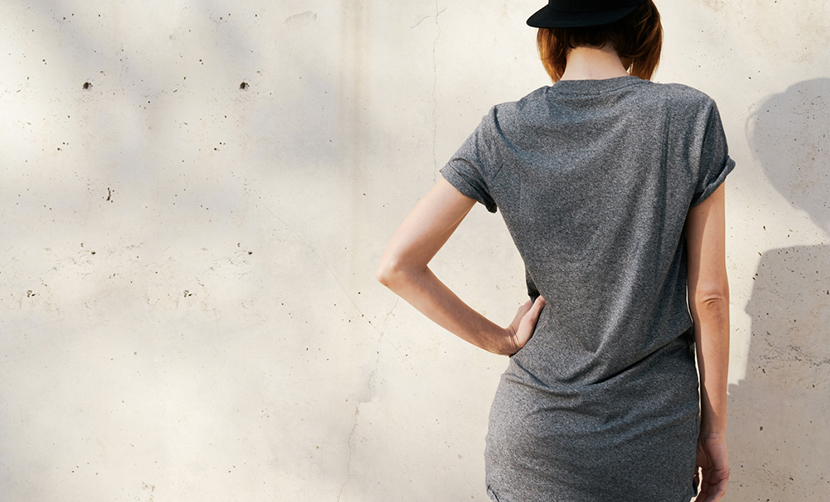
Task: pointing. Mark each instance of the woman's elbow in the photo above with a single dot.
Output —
(713, 302)
(713, 299)
(388, 271)
(383, 273)
(397, 273)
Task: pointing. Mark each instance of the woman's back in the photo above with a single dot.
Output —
(594, 179)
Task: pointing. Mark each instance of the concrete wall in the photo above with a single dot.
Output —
(194, 195)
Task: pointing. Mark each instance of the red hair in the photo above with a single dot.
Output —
(637, 38)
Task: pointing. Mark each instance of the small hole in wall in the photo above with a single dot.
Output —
(244, 85)
(87, 85)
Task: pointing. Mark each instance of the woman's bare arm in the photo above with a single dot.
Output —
(709, 304)
(404, 269)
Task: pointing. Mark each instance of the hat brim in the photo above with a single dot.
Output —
(546, 17)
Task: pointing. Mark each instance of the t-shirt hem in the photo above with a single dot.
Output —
(459, 181)
(717, 182)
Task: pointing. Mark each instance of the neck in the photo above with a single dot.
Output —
(593, 63)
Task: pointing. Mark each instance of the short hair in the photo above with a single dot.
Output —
(637, 38)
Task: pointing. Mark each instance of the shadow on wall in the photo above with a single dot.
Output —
(781, 434)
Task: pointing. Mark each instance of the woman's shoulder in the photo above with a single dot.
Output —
(680, 93)
(683, 103)
(511, 114)
(678, 100)
(683, 95)
(533, 99)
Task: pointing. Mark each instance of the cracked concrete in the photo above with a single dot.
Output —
(368, 396)
(434, 87)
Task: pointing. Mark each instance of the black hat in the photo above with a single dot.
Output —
(578, 13)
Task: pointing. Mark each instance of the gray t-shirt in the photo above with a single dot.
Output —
(594, 179)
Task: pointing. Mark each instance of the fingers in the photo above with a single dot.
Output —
(718, 487)
(523, 325)
(528, 322)
(520, 315)
(530, 310)
(537, 307)
(533, 314)
(713, 486)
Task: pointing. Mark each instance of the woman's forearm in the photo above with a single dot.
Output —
(424, 291)
(403, 269)
(709, 305)
(712, 341)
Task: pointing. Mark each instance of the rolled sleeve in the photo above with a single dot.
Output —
(471, 168)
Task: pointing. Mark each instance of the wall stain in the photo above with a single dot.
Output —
(301, 19)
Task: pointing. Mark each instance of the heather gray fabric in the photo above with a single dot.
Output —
(594, 180)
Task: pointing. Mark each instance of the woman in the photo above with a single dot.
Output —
(612, 189)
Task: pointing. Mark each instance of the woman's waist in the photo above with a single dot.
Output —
(562, 366)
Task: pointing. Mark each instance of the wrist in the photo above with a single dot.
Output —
(711, 428)
(503, 342)
(713, 424)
